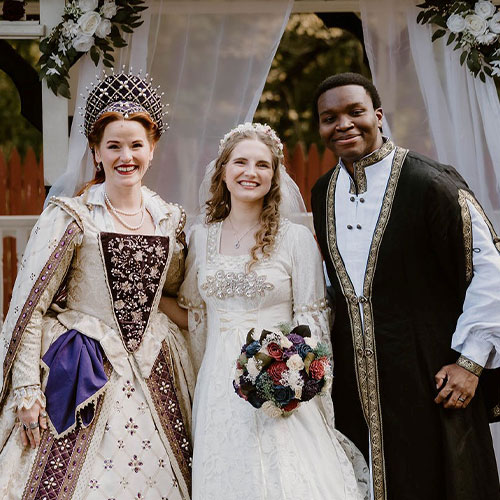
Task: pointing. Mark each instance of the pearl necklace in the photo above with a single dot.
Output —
(118, 212)
(238, 240)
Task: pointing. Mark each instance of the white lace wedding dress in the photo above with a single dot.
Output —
(239, 451)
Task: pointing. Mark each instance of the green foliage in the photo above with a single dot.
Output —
(480, 48)
(15, 131)
(265, 387)
(308, 53)
(58, 53)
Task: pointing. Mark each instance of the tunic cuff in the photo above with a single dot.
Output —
(469, 365)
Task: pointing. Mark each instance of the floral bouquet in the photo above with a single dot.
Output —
(277, 370)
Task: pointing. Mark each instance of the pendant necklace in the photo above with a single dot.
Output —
(118, 212)
(238, 240)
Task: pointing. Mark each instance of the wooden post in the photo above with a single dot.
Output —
(55, 109)
(3, 185)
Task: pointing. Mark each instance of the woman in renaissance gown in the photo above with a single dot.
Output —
(247, 267)
(96, 383)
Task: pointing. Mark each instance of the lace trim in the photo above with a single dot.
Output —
(26, 397)
(319, 305)
(188, 304)
(224, 285)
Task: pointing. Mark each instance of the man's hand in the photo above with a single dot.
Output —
(459, 389)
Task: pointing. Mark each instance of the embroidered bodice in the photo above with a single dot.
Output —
(134, 267)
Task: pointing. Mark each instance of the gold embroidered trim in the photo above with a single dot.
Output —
(371, 159)
(479, 208)
(364, 339)
(469, 365)
(495, 411)
(467, 232)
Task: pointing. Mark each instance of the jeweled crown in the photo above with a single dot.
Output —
(125, 93)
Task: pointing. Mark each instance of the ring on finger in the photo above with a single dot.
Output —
(43, 414)
(461, 399)
(33, 425)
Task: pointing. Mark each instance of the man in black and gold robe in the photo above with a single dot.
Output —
(414, 264)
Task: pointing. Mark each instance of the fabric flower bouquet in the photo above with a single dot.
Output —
(278, 370)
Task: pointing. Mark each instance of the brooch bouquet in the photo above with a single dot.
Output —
(474, 27)
(94, 26)
(278, 370)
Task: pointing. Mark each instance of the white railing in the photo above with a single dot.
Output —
(18, 227)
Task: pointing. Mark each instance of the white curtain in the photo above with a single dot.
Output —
(211, 58)
(432, 104)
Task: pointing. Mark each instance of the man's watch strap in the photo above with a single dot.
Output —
(469, 365)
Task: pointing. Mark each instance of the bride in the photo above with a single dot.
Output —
(248, 267)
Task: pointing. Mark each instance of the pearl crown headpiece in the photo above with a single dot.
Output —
(124, 93)
(263, 128)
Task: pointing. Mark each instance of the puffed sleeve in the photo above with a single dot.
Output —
(45, 263)
(310, 306)
(176, 268)
(189, 296)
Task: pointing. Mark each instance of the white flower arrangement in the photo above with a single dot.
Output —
(474, 27)
(94, 26)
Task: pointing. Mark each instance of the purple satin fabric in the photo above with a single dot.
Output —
(76, 373)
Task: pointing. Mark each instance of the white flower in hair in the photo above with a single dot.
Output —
(263, 128)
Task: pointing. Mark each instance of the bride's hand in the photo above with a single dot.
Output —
(30, 435)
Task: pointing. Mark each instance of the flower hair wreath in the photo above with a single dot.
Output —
(474, 26)
(87, 25)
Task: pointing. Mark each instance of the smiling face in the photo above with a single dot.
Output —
(348, 123)
(249, 171)
(125, 153)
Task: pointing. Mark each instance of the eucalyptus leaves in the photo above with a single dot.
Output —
(88, 25)
(474, 27)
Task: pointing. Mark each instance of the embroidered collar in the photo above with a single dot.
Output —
(94, 196)
(368, 160)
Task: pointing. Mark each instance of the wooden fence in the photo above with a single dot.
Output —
(22, 193)
(306, 167)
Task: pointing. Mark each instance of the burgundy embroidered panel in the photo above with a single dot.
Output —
(58, 462)
(162, 388)
(134, 267)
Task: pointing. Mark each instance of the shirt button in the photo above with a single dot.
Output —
(362, 200)
(352, 198)
(358, 226)
(349, 226)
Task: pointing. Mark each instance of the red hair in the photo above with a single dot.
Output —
(95, 137)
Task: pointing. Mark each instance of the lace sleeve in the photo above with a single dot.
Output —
(176, 268)
(189, 298)
(310, 306)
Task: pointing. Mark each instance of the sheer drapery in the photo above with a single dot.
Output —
(211, 58)
(432, 104)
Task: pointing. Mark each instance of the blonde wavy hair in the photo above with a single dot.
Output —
(218, 206)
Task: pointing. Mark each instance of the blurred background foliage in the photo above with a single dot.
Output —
(309, 52)
(15, 130)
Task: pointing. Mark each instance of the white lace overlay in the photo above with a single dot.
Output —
(238, 449)
(26, 397)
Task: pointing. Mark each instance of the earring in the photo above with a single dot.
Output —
(98, 167)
